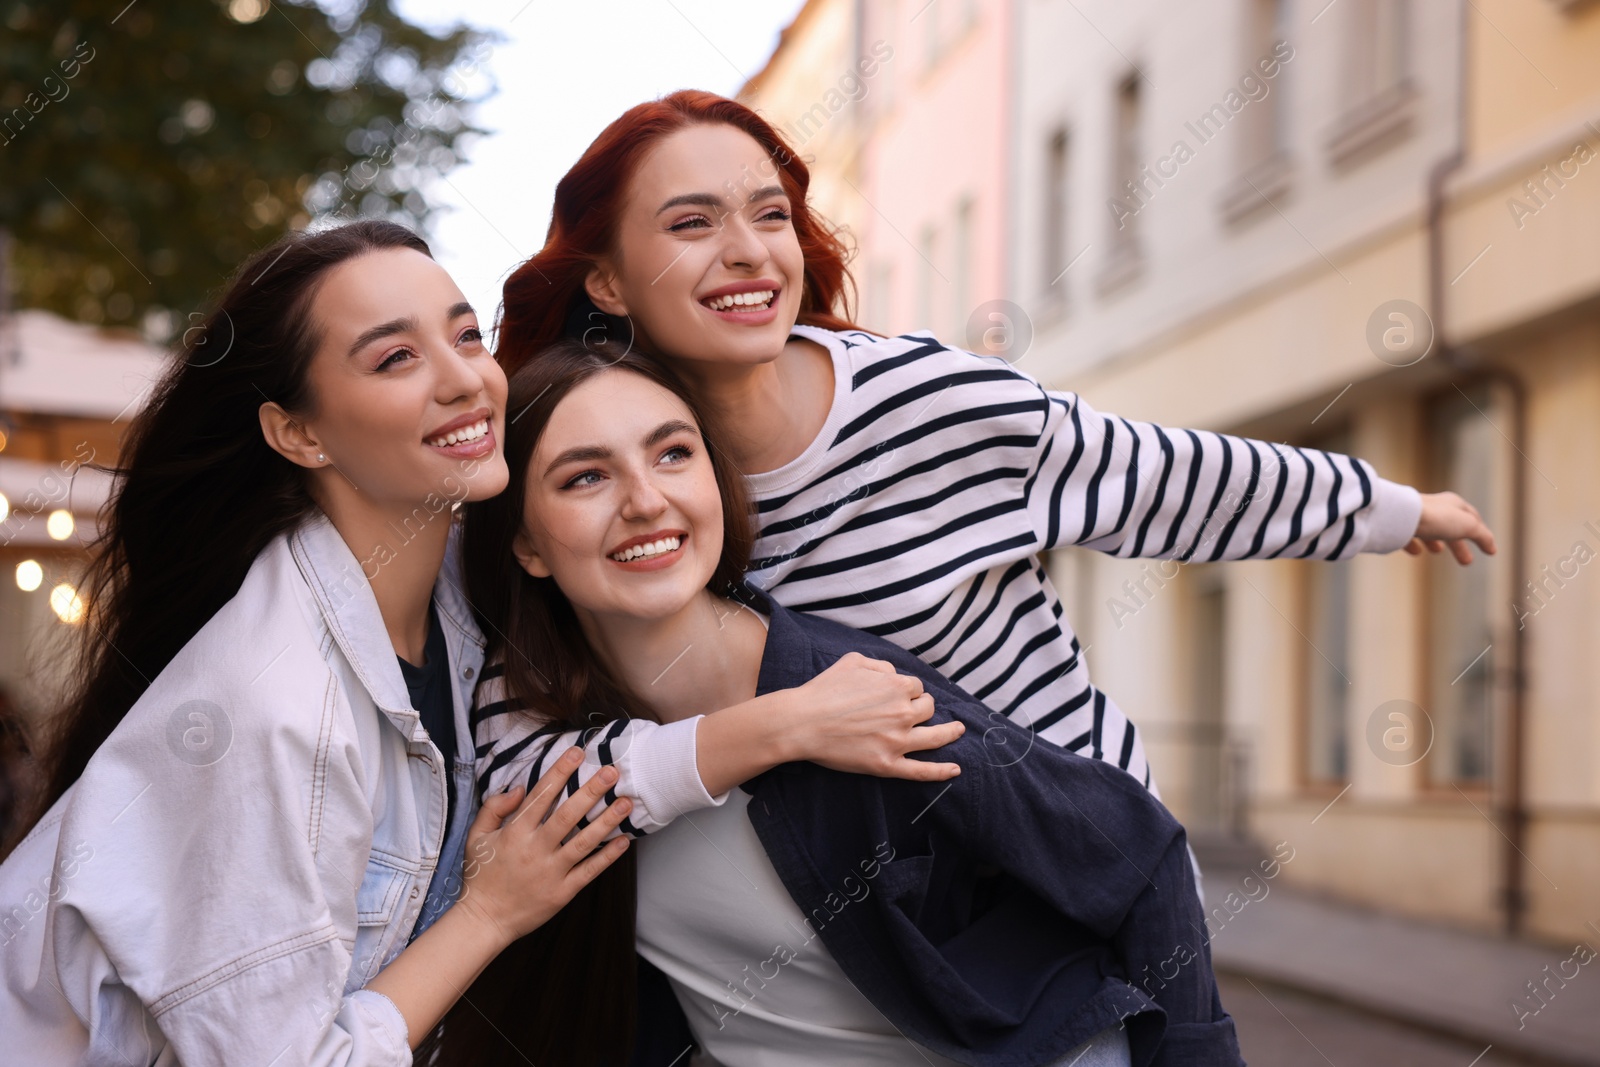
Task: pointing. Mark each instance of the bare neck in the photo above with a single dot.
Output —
(772, 411)
(400, 551)
(705, 657)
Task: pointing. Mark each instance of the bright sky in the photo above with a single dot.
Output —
(564, 70)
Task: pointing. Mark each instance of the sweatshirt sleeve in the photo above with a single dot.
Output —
(656, 763)
(1130, 488)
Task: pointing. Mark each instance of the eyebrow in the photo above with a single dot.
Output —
(585, 453)
(711, 200)
(766, 192)
(697, 199)
(667, 429)
(394, 326)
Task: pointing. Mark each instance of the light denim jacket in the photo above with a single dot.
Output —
(254, 841)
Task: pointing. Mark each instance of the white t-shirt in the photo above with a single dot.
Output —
(756, 982)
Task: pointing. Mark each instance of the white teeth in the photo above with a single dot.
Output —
(456, 437)
(645, 551)
(759, 298)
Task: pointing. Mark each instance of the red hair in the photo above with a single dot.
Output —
(541, 293)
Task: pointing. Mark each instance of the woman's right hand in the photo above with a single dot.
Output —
(861, 715)
(520, 866)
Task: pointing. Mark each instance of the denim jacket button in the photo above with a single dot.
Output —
(467, 673)
(414, 891)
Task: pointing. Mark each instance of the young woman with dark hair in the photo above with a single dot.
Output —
(1038, 909)
(903, 486)
(253, 830)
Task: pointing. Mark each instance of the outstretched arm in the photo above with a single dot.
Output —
(1133, 488)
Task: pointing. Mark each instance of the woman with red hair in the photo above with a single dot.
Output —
(905, 487)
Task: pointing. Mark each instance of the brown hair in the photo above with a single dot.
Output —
(566, 992)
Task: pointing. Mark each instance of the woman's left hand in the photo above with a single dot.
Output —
(1448, 519)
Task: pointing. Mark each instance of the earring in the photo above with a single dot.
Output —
(321, 458)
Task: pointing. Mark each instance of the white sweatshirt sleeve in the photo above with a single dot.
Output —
(655, 762)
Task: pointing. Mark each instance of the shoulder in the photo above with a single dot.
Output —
(915, 379)
(260, 671)
(917, 354)
(499, 717)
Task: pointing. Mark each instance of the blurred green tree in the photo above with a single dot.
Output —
(147, 147)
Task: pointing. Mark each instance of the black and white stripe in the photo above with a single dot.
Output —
(941, 476)
(920, 514)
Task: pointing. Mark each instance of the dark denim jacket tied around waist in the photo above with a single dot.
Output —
(1000, 919)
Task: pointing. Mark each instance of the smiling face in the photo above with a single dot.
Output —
(409, 402)
(706, 261)
(622, 506)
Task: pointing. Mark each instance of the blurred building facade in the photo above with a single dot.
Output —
(1366, 226)
(67, 393)
(900, 108)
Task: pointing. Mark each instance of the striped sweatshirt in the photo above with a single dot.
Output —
(920, 513)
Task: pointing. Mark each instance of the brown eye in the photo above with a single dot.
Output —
(392, 358)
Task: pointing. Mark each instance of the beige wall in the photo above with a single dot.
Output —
(1529, 59)
(1270, 336)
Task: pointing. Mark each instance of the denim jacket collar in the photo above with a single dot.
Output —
(344, 599)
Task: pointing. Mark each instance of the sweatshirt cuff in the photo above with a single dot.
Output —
(666, 774)
(1393, 520)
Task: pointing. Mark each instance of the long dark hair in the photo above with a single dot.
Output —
(540, 296)
(199, 492)
(564, 994)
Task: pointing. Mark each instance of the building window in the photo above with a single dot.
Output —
(1125, 156)
(1056, 256)
(932, 39)
(928, 247)
(1327, 659)
(1262, 157)
(875, 303)
(961, 276)
(1375, 56)
(1211, 798)
(1127, 196)
(1263, 119)
(1380, 99)
(1468, 641)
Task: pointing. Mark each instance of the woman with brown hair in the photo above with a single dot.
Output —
(1037, 909)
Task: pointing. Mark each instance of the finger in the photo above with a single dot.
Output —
(593, 836)
(911, 686)
(915, 770)
(1413, 547)
(1462, 553)
(495, 807)
(1435, 547)
(575, 807)
(1484, 539)
(587, 871)
(922, 708)
(547, 790)
(924, 738)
